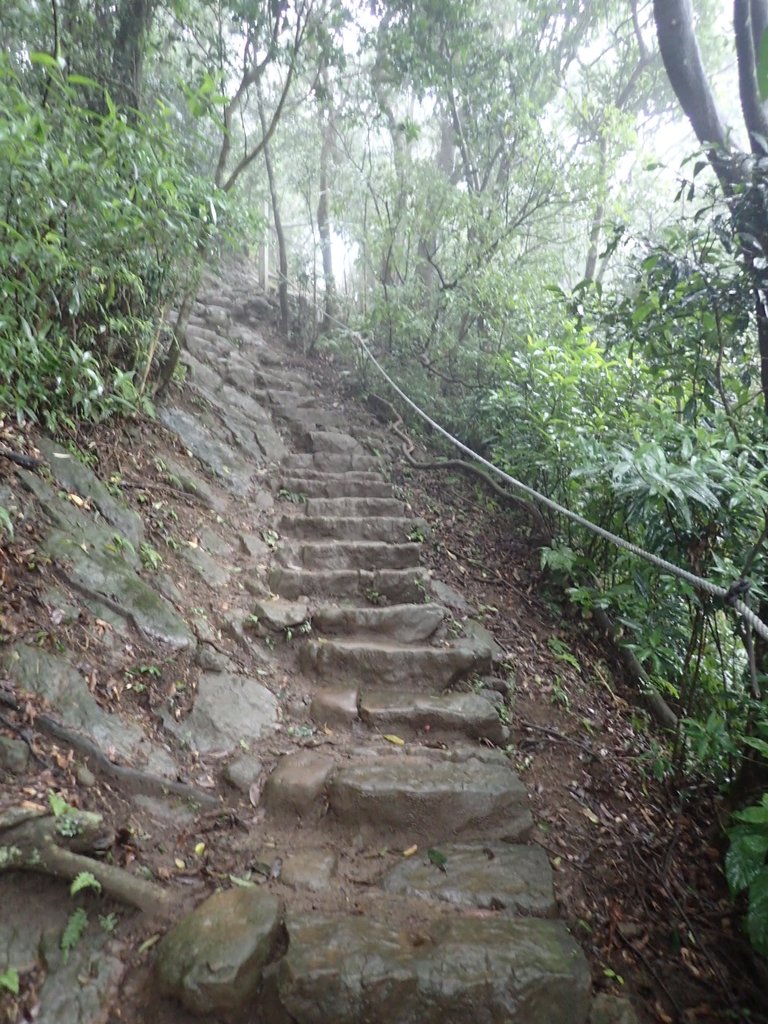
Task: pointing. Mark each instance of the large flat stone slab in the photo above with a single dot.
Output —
(229, 710)
(407, 623)
(298, 783)
(387, 529)
(75, 476)
(54, 677)
(341, 486)
(351, 970)
(416, 797)
(506, 877)
(350, 555)
(355, 507)
(379, 587)
(375, 663)
(103, 574)
(407, 713)
(221, 459)
(328, 462)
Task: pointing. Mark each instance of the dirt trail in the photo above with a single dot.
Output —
(301, 717)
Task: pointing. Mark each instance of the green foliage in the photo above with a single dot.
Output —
(746, 868)
(100, 227)
(75, 928)
(9, 980)
(84, 880)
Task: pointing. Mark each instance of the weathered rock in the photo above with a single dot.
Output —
(298, 783)
(337, 486)
(211, 660)
(220, 458)
(355, 507)
(607, 1009)
(349, 555)
(451, 598)
(512, 879)
(328, 462)
(387, 663)
(417, 797)
(380, 587)
(14, 755)
(80, 986)
(277, 614)
(350, 970)
(332, 443)
(389, 529)
(228, 708)
(75, 476)
(438, 714)
(407, 623)
(187, 480)
(212, 960)
(105, 575)
(54, 678)
(253, 545)
(309, 869)
(242, 771)
(209, 568)
(334, 707)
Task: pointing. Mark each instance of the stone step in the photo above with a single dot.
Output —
(341, 486)
(506, 877)
(350, 970)
(406, 714)
(350, 474)
(417, 799)
(358, 554)
(349, 507)
(389, 529)
(397, 586)
(387, 663)
(408, 623)
(302, 420)
(331, 463)
(331, 442)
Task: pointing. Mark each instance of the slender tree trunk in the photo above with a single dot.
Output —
(323, 206)
(282, 251)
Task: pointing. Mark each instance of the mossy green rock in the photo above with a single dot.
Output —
(104, 574)
(212, 961)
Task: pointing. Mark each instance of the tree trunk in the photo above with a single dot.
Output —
(282, 251)
(323, 207)
(134, 22)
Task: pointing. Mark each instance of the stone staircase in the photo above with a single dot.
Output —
(452, 919)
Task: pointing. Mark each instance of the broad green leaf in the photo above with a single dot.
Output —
(762, 66)
(757, 916)
(745, 858)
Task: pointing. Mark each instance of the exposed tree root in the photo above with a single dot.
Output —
(132, 779)
(53, 845)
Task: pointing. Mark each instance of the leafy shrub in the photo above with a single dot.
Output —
(747, 869)
(101, 224)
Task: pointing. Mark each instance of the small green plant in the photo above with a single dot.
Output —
(7, 525)
(373, 596)
(563, 652)
(150, 558)
(560, 694)
(9, 980)
(84, 880)
(118, 545)
(73, 932)
(295, 497)
(416, 535)
(746, 868)
(271, 539)
(66, 816)
(108, 922)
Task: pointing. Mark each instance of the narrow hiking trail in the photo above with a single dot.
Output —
(290, 709)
